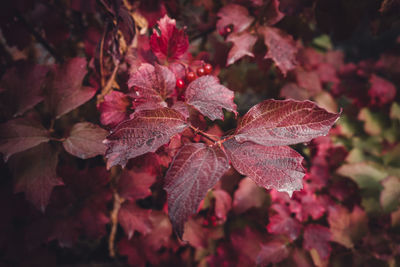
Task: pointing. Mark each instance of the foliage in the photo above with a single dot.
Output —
(207, 133)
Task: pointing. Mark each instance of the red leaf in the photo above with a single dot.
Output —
(195, 169)
(248, 195)
(223, 203)
(23, 87)
(309, 80)
(273, 251)
(208, 96)
(247, 243)
(66, 91)
(317, 237)
(135, 184)
(381, 91)
(270, 167)
(113, 109)
(282, 48)
(35, 174)
(85, 140)
(283, 224)
(21, 134)
(235, 15)
(145, 132)
(153, 84)
(182, 108)
(242, 45)
(132, 218)
(171, 43)
(273, 15)
(287, 122)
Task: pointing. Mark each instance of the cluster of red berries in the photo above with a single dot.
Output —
(191, 76)
(210, 221)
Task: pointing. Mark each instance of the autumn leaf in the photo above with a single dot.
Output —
(133, 218)
(208, 96)
(282, 223)
(145, 132)
(235, 15)
(317, 237)
(284, 122)
(135, 184)
(195, 169)
(272, 251)
(114, 108)
(242, 45)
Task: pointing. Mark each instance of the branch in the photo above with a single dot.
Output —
(206, 135)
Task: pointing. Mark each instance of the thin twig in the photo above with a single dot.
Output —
(107, 88)
(115, 172)
(102, 78)
(206, 135)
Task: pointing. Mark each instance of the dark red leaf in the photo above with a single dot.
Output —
(381, 91)
(199, 236)
(35, 174)
(133, 218)
(145, 132)
(309, 80)
(66, 91)
(248, 195)
(170, 43)
(208, 96)
(282, 48)
(21, 134)
(153, 84)
(182, 108)
(22, 87)
(85, 140)
(273, 15)
(247, 243)
(195, 169)
(283, 224)
(135, 184)
(276, 167)
(242, 45)
(223, 203)
(236, 15)
(317, 237)
(272, 251)
(114, 108)
(284, 122)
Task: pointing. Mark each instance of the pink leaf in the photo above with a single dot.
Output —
(273, 251)
(208, 96)
(66, 91)
(171, 43)
(235, 15)
(133, 218)
(270, 167)
(248, 195)
(145, 132)
(85, 140)
(273, 14)
(182, 108)
(282, 48)
(381, 91)
(152, 84)
(223, 203)
(242, 45)
(277, 122)
(195, 169)
(317, 237)
(114, 108)
(35, 174)
(135, 184)
(21, 134)
(283, 223)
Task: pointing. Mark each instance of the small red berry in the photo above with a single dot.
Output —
(180, 83)
(191, 76)
(200, 72)
(205, 222)
(208, 68)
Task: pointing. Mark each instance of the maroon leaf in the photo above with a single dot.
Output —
(21, 134)
(272, 251)
(195, 169)
(182, 108)
(381, 91)
(170, 43)
(276, 167)
(317, 237)
(273, 14)
(282, 223)
(135, 184)
(223, 203)
(247, 243)
(235, 15)
(145, 132)
(66, 91)
(35, 174)
(114, 108)
(282, 48)
(23, 87)
(85, 140)
(277, 122)
(248, 195)
(208, 96)
(242, 45)
(133, 218)
(152, 84)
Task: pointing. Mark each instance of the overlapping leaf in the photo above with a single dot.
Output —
(208, 96)
(276, 123)
(153, 84)
(277, 167)
(194, 170)
(242, 45)
(145, 132)
(133, 218)
(85, 140)
(235, 15)
(273, 251)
